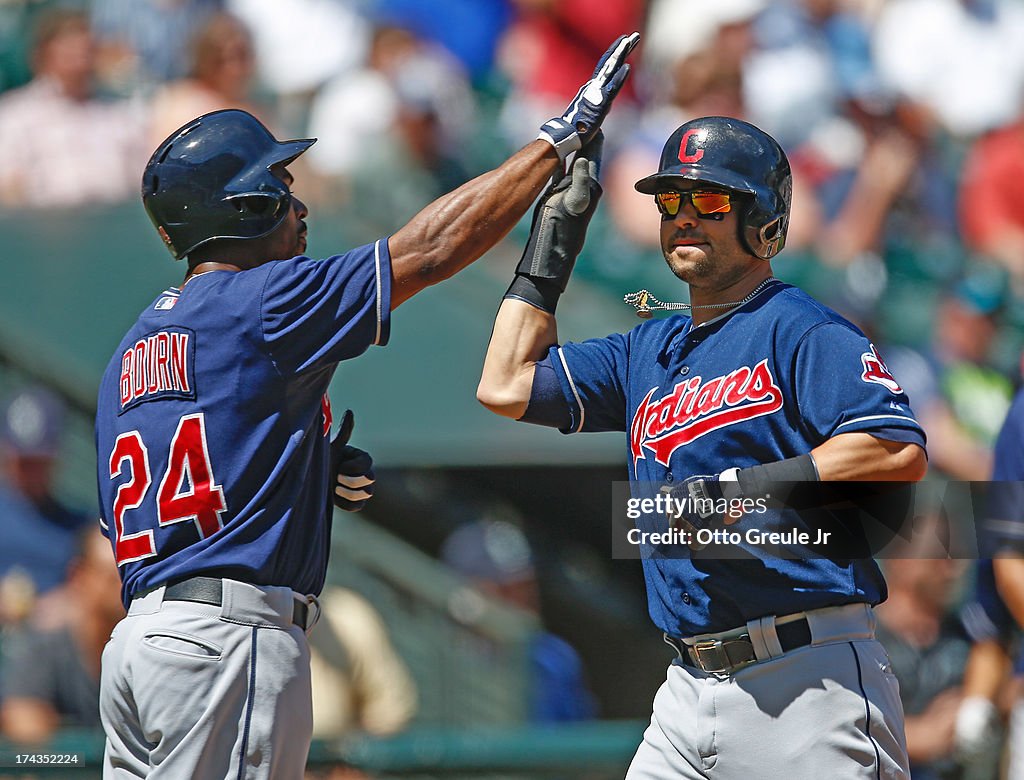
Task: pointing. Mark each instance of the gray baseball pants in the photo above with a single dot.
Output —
(201, 691)
(829, 709)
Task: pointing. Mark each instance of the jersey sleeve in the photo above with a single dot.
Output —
(317, 312)
(843, 386)
(592, 375)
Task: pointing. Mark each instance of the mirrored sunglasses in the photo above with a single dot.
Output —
(707, 203)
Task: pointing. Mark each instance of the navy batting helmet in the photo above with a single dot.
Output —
(740, 157)
(211, 179)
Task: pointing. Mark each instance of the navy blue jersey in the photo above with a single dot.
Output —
(771, 379)
(213, 422)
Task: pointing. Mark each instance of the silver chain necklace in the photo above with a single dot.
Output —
(645, 303)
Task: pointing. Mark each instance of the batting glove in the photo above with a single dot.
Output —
(697, 500)
(706, 491)
(560, 222)
(352, 469)
(568, 132)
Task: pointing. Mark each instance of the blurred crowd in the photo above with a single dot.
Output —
(903, 119)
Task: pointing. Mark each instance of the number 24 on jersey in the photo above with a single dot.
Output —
(187, 491)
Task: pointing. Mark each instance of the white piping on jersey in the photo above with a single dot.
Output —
(380, 303)
(196, 276)
(879, 417)
(1007, 527)
(576, 395)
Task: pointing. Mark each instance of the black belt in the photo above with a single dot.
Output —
(725, 656)
(210, 590)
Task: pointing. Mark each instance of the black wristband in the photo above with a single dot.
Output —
(542, 294)
(758, 480)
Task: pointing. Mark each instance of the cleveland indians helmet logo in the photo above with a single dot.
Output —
(698, 137)
(695, 407)
(875, 371)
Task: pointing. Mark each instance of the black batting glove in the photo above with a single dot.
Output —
(351, 469)
(559, 228)
(584, 115)
(700, 500)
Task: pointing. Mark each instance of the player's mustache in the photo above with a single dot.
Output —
(685, 234)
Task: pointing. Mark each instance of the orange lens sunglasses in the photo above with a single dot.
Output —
(707, 203)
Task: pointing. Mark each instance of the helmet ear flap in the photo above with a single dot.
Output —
(772, 236)
(765, 223)
(764, 234)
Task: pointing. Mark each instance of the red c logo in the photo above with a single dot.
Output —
(698, 137)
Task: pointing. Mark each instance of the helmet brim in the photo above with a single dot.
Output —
(684, 175)
(287, 151)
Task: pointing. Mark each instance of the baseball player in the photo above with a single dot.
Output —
(996, 614)
(777, 673)
(213, 423)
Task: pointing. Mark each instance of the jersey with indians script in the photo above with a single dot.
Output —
(213, 423)
(771, 379)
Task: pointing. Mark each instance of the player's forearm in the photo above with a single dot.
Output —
(862, 457)
(458, 228)
(522, 335)
(987, 670)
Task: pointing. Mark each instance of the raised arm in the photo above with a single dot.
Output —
(521, 337)
(525, 326)
(458, 228)
(461, 226)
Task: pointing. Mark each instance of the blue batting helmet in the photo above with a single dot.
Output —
(211, 179)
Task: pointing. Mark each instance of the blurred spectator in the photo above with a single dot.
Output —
(17, 19)
(813, 56)
(992, 198)
(403, 118)
(39, 533)
(59, 144)
(469, 29)
(550, 49)
(143, 43)
(681, 41)
(496, 557)
(222, 69)
(300, 45)
(51, 674)
(958, 397)
(858, 172)
(962, 59)
(359, 682)
(928, 646)
(812, 82)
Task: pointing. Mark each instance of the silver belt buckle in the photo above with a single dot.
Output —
(710, 656)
